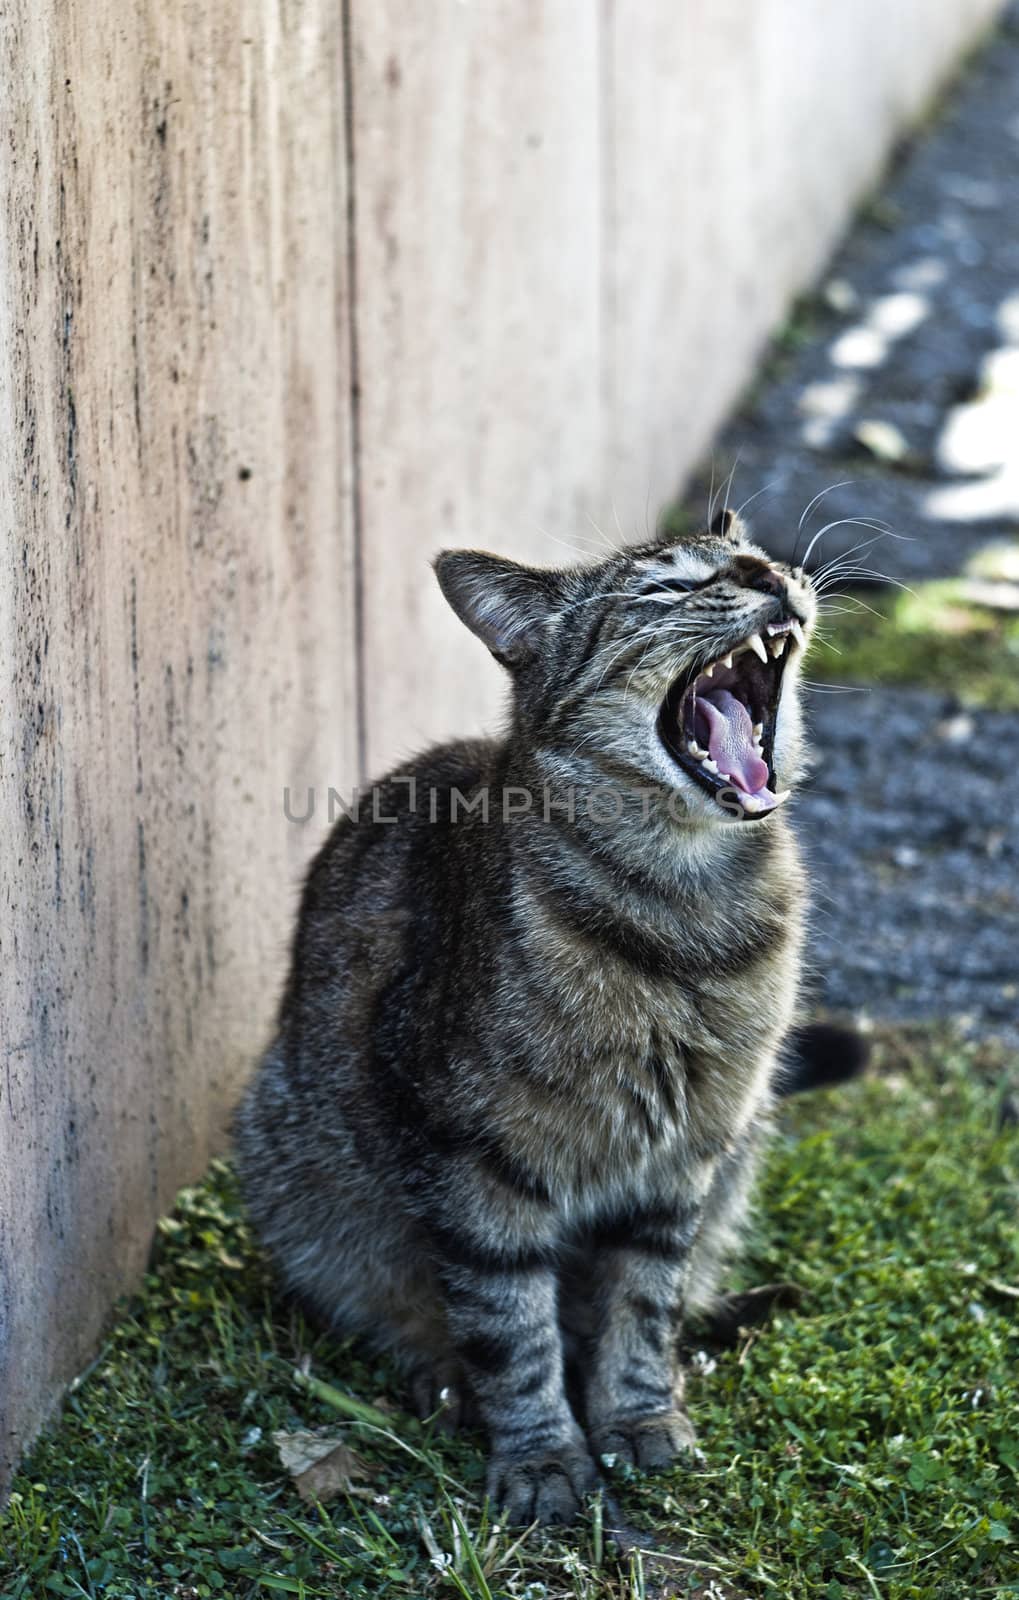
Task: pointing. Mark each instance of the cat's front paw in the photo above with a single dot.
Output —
(652, 1442)
(546, 1488)
(443, 1396)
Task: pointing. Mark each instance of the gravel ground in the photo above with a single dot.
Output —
(915, 848)
(904, 377)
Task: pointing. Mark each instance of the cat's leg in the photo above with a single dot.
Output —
(654, 1265)
(724, 1214)
(501, 1308)
(632, 1378)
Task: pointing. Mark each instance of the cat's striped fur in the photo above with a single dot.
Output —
(524, 1066)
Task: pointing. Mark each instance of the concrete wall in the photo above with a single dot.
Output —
(292, 293)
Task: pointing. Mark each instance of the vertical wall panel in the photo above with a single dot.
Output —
(478, 269)
(175, 607)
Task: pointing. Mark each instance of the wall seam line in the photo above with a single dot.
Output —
(606, 257)
(353, 353)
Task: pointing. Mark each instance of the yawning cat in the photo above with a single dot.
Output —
(534, 1022)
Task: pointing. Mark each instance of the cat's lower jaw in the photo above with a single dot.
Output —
(549, 1487)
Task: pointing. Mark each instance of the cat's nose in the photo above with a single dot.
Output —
(755, 574)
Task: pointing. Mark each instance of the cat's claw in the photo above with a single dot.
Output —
(548, 1488)
(652, 1442)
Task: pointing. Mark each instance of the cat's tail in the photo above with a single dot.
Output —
(819, 1055)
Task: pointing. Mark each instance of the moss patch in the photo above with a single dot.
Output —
(941, 635)
(865, 1445)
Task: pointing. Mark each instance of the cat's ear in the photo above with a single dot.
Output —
(728, 525)
(505, 604)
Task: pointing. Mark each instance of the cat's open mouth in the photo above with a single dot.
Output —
(719, 724)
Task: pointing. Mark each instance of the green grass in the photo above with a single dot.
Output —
(935, 634)
(865, 1445)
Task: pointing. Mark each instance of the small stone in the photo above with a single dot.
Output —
(859, 348)
(992, 596)
(883, 440)
(839, 295)
(997, 562)
(977, 193)
(958, 729)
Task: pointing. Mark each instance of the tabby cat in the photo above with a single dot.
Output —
(534, 1022)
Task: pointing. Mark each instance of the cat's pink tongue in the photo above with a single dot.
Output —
(731, 741)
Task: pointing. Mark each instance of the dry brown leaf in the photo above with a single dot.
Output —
(320, 1463)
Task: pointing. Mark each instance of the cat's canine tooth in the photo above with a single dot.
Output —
(777, 646)
(707, 671)
(797, 632)
(727, 661)
(782, 794)
(756, 644)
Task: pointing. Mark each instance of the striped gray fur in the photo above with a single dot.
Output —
(508, 1123)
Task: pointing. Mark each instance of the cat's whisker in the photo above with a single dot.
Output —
(585, 551)
(834, 688)
(849, 522)
(728, 487)
(616, 549)
(619, 526)
(856, 605)
(843, 483)
(711, 494)
(765, 489)
(808, 508)
(866, 572)
(864, 544)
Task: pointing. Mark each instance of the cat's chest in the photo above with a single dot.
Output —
(651, 1060)
(646, 1037)
(626, 1076)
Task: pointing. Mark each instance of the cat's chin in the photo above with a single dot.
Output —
(718, 721)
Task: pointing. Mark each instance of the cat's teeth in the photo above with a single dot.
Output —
(712, 766)
(797, 632)
(777, 646)
(695, 750)
(709, 670)
(756, 644)
(753, 804)
(758, 730)
(727, 661)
